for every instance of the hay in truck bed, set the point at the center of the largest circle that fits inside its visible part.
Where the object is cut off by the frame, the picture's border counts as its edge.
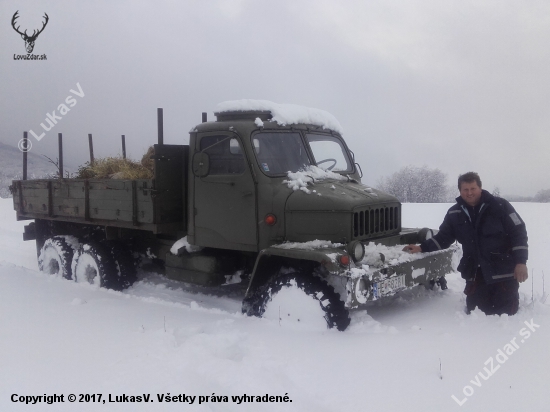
(157, 205)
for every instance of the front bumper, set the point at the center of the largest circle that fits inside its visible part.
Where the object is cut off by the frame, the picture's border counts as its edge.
(384, 271)
(376, 283)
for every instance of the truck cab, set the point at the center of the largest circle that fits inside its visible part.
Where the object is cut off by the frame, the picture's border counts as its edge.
(243, 197)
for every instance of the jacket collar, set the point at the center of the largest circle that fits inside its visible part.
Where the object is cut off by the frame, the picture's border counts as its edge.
(486, 197)
(478, 209)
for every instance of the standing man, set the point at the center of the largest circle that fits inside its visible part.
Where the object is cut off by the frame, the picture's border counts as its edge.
(494, 245)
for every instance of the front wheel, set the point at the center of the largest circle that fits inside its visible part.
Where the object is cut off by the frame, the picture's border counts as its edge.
(297, 297)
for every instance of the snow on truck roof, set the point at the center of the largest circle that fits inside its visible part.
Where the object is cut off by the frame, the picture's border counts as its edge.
(285, 114)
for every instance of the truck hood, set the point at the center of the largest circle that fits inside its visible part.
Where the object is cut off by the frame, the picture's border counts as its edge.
(336, 196)
(340, 211)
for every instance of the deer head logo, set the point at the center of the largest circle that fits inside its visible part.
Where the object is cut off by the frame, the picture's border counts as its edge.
(29, 40)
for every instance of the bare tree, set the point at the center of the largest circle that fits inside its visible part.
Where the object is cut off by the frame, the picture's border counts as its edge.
(413, 184)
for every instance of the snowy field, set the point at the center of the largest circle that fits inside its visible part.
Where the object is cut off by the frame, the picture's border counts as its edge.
(59, 337)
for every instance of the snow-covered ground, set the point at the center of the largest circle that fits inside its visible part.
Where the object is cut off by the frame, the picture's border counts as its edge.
(59, 337)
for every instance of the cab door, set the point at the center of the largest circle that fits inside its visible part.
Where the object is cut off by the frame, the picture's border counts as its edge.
(225, 198)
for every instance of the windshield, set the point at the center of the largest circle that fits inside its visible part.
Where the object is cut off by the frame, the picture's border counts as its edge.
(280, 153)
(329, 152)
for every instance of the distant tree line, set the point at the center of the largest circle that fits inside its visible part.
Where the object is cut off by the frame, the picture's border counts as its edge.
(413, 184)
(543, 196)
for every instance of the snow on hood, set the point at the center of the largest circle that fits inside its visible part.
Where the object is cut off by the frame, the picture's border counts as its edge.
(285, 113)
(300, 179)
(392, 256)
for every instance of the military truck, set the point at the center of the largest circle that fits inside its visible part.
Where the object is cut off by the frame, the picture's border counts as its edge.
(267, 195)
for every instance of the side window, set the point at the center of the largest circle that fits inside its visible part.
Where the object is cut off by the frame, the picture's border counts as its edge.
(226, 155)
(329, 153)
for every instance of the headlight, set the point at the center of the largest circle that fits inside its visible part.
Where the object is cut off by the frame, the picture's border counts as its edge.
(356, 250)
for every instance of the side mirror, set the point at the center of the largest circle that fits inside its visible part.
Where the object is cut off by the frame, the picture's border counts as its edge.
(201, 164)
(360, 170)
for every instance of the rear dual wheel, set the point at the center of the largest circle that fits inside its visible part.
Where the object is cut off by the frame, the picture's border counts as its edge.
(93, 264)
(107, 265)
(56, 256)
(125, 262)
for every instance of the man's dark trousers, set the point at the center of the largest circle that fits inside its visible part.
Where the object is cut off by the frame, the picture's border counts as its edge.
(494, 299)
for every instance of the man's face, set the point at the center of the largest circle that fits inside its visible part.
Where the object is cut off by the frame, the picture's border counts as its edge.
(470, 193)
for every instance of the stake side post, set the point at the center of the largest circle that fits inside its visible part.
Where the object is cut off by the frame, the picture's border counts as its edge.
(160, 127)
(60, 140)
(26, 143)
(91, 144)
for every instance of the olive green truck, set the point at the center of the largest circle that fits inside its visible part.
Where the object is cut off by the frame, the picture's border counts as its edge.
(273, 202)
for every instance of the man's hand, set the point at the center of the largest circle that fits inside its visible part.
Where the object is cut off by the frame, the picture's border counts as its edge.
(412, 249)
(520, 272)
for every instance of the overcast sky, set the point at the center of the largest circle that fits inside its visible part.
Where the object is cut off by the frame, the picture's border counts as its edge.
(455, 85)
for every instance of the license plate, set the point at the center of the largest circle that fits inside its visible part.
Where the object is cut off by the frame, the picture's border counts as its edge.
(388, 286)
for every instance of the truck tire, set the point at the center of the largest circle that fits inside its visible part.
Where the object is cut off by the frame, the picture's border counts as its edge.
(56, 256)
(95, 264)
(125, 262)
(298, 297)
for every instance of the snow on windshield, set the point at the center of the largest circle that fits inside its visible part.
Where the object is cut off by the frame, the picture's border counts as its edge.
(308, 175)
(285, 113)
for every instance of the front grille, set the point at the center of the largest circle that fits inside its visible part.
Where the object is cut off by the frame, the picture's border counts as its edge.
(375, 221)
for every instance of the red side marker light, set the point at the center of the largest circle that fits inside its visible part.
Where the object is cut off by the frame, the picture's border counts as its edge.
(270, 219)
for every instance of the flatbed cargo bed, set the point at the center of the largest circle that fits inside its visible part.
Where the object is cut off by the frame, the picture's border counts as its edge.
(155, 205)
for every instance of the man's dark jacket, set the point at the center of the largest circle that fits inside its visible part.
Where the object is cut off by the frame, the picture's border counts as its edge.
(496, 240)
